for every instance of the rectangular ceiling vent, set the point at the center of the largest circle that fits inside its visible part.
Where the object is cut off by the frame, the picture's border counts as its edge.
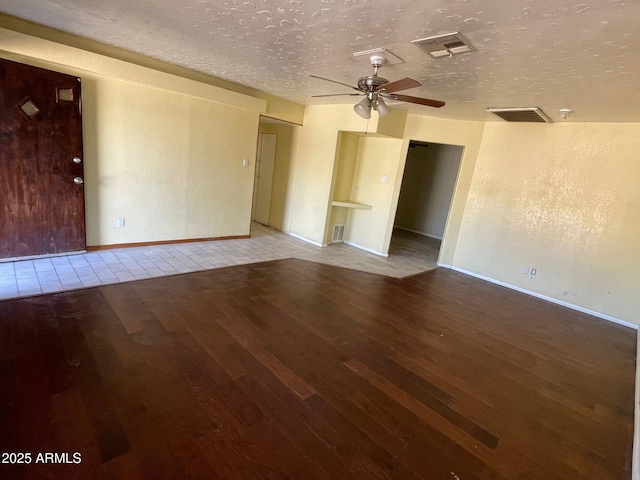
(445, 45)
(529, 114)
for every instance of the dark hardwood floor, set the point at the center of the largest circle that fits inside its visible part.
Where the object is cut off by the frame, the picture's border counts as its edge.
(291, 369)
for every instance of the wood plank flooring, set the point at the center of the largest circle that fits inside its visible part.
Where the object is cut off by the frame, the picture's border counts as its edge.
(296, 370)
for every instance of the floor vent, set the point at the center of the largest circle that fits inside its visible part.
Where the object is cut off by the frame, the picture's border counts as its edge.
(445, 45)
(338, 233)
(529, 114)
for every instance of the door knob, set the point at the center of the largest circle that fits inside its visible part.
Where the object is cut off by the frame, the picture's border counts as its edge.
(77, 160)
(78, 181)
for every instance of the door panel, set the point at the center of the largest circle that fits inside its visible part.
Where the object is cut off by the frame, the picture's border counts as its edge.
(264, 177)
(41, 206)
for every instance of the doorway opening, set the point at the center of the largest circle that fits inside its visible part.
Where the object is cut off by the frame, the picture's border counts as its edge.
(274, 183)
(263, 182)
(428, 183)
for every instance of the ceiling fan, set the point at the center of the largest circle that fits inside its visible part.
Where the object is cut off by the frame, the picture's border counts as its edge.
(376, 89)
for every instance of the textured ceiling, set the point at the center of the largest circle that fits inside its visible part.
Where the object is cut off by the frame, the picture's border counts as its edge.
(584, 55)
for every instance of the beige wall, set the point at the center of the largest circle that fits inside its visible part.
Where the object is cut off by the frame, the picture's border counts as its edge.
(319, 150)
(564, 199)
(450, 132)
(344, 169)
(163, 152)
(169, 164)
(377, 157)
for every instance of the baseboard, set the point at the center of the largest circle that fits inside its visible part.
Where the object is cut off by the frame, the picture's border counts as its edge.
(635, 458)
(162, 242)
(375, 252)
(417, 232)
(544, 297)
(308, 240)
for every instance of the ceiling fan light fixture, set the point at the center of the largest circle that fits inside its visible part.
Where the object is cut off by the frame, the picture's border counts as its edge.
(374, 87)
(363, 108)
(381, 107)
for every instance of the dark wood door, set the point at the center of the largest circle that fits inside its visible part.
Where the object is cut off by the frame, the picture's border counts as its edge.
(41, 163)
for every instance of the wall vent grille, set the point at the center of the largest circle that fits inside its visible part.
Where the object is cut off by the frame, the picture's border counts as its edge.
(445, 45)
(338, 233)
(528, 114)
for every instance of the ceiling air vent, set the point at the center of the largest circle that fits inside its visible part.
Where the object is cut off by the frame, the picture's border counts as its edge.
(529, 114)
(445, 45)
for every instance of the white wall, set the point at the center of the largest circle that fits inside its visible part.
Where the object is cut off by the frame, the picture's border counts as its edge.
(427, 188)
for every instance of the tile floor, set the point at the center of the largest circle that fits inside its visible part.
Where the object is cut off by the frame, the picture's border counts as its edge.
(409, 254)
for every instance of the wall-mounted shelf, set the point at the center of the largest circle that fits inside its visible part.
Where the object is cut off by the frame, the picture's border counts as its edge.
(361, 206)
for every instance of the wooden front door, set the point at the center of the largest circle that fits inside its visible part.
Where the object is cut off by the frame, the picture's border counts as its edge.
(41, 163)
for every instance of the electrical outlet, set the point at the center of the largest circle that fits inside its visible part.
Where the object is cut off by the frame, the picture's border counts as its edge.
(120, 222)
(245, 162)
(384, 178)
(525, 271)
(532, 278)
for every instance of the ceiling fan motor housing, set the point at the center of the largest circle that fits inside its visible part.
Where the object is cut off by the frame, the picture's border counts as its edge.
(368, 84)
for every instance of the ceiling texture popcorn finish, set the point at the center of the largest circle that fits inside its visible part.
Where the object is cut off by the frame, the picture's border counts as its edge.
(583, 55)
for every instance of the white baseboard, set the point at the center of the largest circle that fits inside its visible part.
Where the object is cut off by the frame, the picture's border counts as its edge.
(375, 252)
(419, 233)
(635, 458)
(603, 316)
(308, 240)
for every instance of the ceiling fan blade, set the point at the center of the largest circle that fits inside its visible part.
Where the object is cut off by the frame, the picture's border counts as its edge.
(418, 100)
(398, 85)
(334, 81)
(340, 94)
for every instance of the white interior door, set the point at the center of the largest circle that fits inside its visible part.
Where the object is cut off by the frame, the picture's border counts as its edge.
(264, 177)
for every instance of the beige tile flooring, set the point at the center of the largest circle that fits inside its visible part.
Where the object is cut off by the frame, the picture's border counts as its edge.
(409, 254)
